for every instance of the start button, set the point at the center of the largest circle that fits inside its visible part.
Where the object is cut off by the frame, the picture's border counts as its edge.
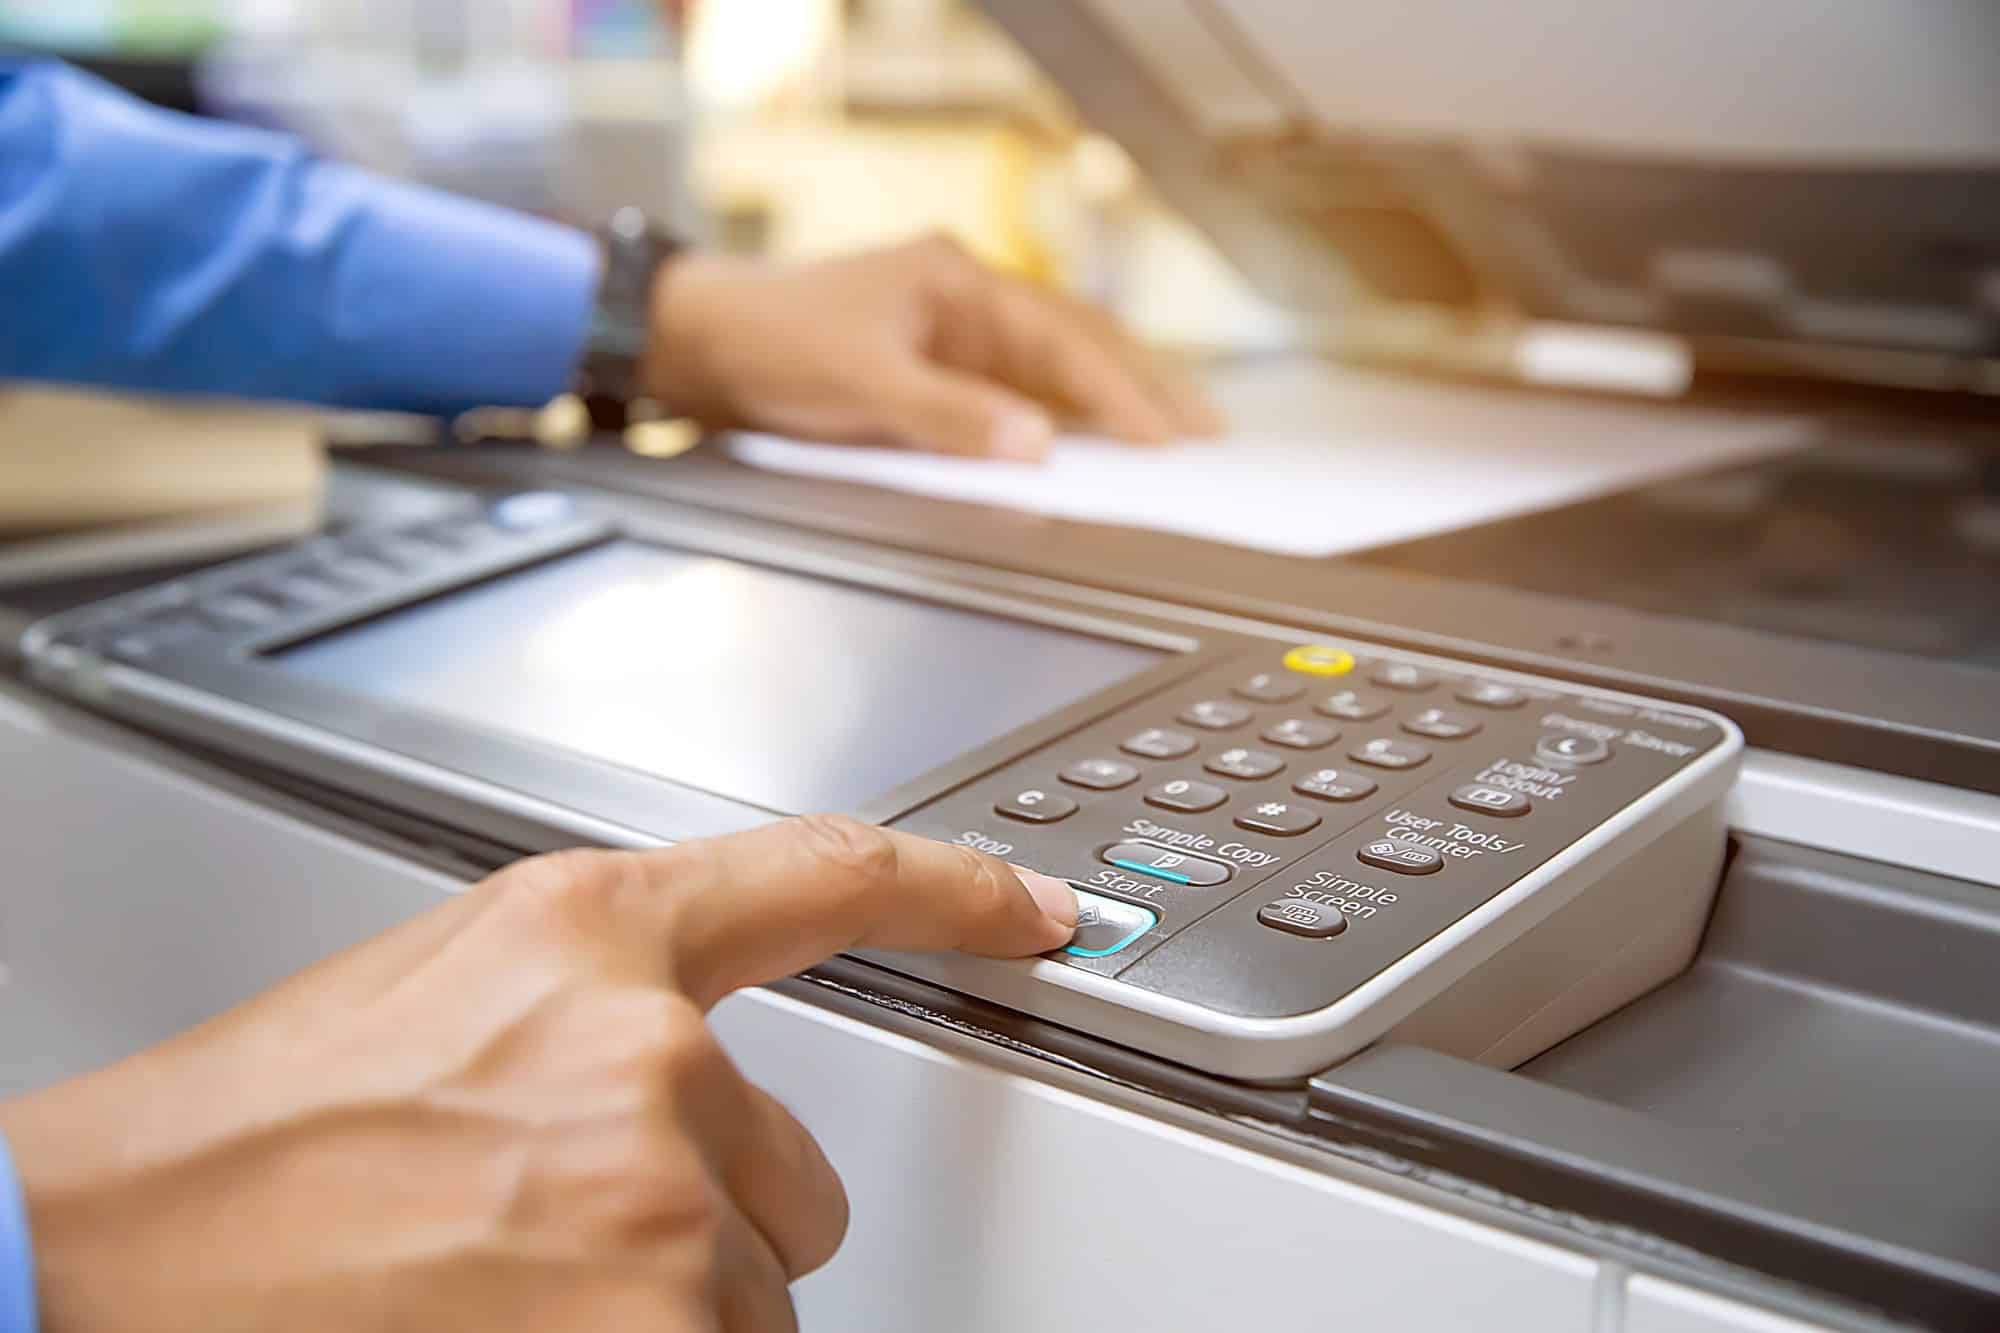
(1319, 659)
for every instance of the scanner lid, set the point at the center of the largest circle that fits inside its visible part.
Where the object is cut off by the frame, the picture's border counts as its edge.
(1796, 176)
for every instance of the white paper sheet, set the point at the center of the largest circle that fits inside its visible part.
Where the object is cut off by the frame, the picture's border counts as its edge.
(1322, 460)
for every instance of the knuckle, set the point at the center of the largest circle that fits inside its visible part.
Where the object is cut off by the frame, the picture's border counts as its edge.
(570, 888)
(989, 891)
(855, 854)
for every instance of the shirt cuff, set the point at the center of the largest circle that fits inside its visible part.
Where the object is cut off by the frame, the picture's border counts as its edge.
(443, 304)
(17, 1258)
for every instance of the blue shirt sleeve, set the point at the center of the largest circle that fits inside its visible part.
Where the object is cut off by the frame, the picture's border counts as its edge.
(152, 251)
(17, 1261)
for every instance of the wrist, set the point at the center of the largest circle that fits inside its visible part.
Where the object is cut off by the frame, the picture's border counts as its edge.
(678, 366)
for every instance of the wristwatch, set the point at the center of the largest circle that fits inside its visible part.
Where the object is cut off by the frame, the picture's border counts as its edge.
(635, 249)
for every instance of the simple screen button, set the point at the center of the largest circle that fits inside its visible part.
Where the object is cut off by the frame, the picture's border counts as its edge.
(1301, 733)
(1403, 676)
(1100, 774)
(1164, 863)
(1482, 799)
(1330, 784)
(1272, 687)
(1159, 743)
(1250, 765)
(1319, 659)
(1402, 857)
(1352, 706)
(1571, 748)
(1296, 916)
(1491, 694)
(1036, 806)
(1280, 819)
(1383, 752)
(1441, 724)
(1105, 925)
(1186, 796)
(1215, 714)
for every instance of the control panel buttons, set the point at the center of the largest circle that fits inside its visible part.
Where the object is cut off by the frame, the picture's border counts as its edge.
(1352, 706)
(1159, 743)
(1036, 806)
(1215, 714)
(356, 570)
(1145, 858)
(1297, 916)
(1185, 796)
(1249, 765)
(1319, 659)
(1100, 774)
(1441, 724)
(1402, 676)
(1386, 752)
(1490, 694)
(1301, 733)
(1571, 747)
(1105, 925)
(1482, 799)
(305, 588)
(1271, 687)
(1330, 784)
(1404, 858)
(1280, 819)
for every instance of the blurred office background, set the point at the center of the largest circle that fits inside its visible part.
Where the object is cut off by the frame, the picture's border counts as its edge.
(791, 128)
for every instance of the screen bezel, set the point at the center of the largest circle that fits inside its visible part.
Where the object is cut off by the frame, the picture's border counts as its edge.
(340, 734)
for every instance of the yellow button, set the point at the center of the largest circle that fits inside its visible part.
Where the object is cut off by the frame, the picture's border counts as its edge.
(1316, 659)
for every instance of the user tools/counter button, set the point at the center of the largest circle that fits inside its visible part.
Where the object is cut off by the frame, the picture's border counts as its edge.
(1402, 857)
(1105, 925)
(1297, 916)
(1036, 806)
(1144, 858)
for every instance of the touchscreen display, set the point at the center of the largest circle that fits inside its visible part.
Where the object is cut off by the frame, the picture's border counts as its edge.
(791, 693)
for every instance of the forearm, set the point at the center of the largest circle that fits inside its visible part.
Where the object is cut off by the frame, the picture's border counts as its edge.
(150, 251)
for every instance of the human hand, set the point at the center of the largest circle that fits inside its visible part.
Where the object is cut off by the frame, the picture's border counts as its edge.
(919, 346)
(507, 1113)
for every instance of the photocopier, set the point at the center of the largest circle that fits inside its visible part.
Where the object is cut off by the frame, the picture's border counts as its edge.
(1627, 873)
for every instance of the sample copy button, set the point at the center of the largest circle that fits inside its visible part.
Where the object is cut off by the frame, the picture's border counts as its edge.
(1143, 858)
(1105, 925)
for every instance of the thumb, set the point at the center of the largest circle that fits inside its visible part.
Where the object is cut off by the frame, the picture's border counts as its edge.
(752, 907)
(941, 410)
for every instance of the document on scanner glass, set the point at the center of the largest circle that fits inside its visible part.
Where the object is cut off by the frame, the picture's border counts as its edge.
(1322, 460)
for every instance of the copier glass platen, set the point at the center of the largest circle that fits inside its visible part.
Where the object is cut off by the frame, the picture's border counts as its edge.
(1284, 846)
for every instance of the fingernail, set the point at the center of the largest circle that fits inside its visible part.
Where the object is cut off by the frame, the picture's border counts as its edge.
(1021, 435)
(1054, 896)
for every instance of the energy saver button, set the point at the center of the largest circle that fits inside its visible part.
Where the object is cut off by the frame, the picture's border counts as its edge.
(1296, 916)
(1319, 659)
(1404, 858)
(1570, 747)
